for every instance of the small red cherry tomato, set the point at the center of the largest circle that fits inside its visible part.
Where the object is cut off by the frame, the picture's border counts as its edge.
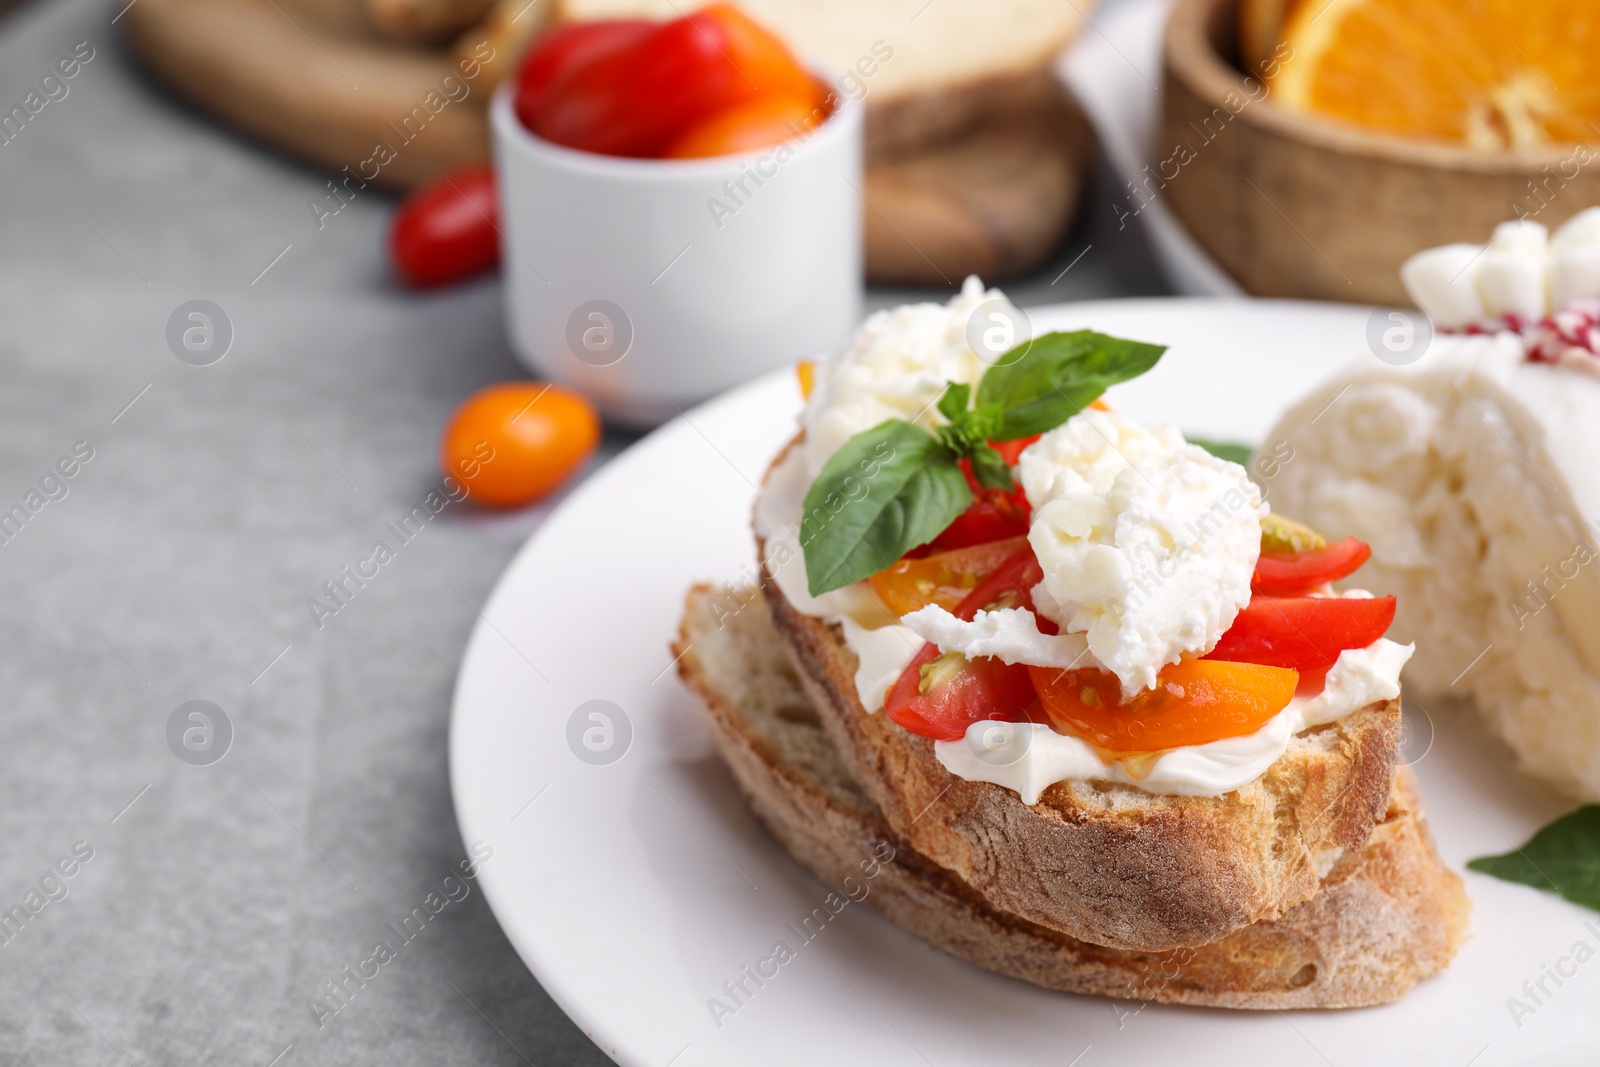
(566, 49)
(1298, 573)
(447, 230)
(510, 444)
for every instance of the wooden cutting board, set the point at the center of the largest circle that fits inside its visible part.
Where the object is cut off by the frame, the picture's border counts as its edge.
(316, 80)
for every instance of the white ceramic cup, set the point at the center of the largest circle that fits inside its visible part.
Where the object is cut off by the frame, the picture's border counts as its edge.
(650, 285)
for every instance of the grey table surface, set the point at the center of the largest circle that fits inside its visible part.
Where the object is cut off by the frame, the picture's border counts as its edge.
(218, 901)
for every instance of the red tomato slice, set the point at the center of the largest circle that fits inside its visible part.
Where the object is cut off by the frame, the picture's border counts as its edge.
(954, 692)
(564, 50)
(1306, 633)
(446, 231)
(637, 100)
(994, 514)
(1303, 572)
(939, 696)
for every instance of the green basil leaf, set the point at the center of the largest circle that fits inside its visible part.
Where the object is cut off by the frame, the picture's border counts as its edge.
(1562, 858)
(1042, 383)
(953, 404)
(1228, 450)
(990, 468)
(888, 490)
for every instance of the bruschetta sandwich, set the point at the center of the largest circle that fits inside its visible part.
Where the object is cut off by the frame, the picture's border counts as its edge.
(1122, 734)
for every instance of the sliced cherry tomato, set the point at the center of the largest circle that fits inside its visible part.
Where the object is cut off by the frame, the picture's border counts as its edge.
(447, 230)
(639, 99)
(939, 696)
(1295, 574)
(1306, 633)
(1009, 585)
(994, 514)
(1194, 702)
(942, 578)
(511, 444)
(760, 123)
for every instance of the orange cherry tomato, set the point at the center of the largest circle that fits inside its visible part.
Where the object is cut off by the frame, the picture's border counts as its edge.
(761, 56)
(1194, 701)
(759, 123)
(510, 444)
(944, 578)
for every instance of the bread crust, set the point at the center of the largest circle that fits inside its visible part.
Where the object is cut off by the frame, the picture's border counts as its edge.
(1385, 916)
(1106, 863)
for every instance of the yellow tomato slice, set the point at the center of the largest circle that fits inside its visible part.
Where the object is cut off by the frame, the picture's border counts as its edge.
(943, 578)
(1194, 702)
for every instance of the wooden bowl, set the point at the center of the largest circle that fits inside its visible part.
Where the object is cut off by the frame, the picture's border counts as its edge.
(1294, 206)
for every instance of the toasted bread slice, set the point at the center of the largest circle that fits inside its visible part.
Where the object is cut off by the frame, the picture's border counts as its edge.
(1386, 915)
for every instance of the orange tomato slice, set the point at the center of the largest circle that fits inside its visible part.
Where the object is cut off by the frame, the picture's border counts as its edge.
(1193, 702)
(943, 578)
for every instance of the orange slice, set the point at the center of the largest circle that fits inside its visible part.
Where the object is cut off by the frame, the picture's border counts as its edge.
(1492, 74)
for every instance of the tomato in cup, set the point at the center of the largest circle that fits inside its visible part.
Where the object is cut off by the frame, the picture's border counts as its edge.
(565, 50)
(714, 82)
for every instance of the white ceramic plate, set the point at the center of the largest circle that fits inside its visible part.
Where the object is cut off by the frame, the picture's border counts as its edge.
(634, 890)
